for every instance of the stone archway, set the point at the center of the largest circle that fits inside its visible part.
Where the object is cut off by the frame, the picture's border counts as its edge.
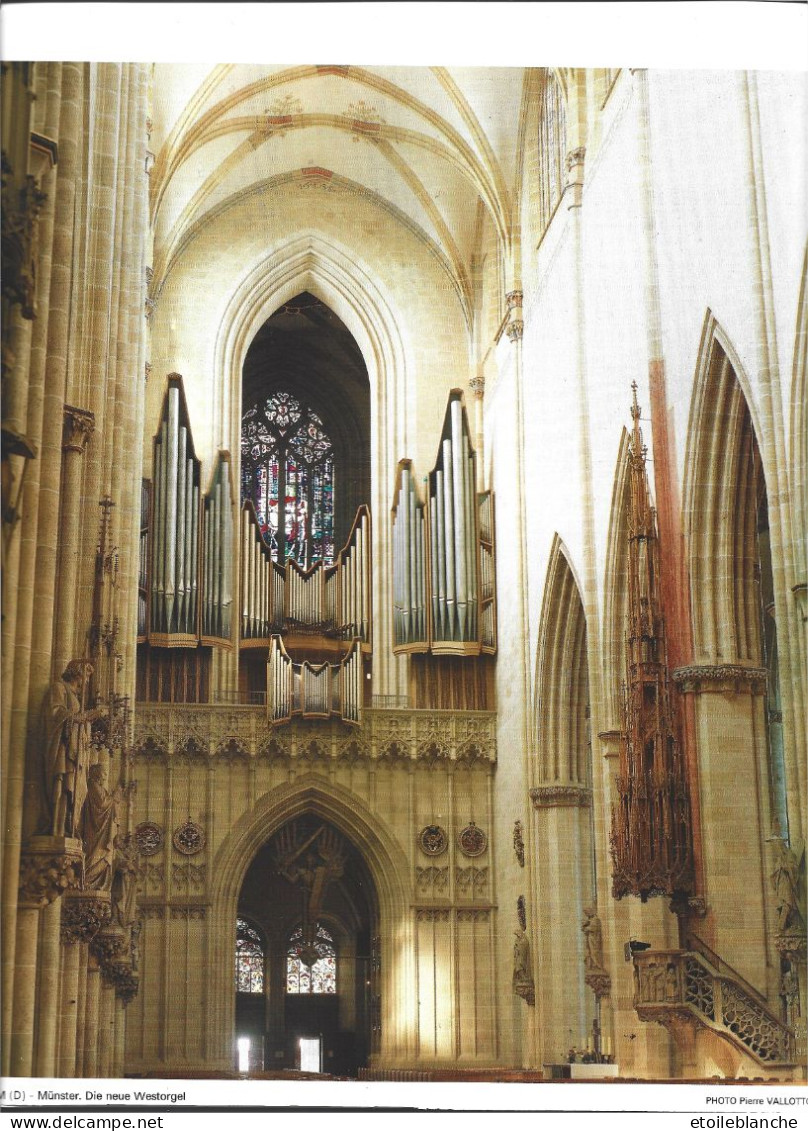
(310, 896)
(310, 799)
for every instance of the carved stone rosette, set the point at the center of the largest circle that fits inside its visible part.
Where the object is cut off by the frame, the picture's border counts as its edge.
(84, 914)
(49, 866)
(546, 796)
(720, 678)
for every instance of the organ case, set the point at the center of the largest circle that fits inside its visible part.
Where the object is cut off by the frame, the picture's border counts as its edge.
(444, 578)
(175, 521)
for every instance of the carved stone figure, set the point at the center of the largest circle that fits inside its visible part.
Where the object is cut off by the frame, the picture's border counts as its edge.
(593, 940)
(134, 943)
(124, 880)
(66, 727)
(522, 976)
(99, 829)
(786, 879)
(521, 957)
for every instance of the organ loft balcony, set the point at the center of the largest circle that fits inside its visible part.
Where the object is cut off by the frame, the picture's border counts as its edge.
(391, 733)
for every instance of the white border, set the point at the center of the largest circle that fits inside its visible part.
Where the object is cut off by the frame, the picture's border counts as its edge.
(686, 33)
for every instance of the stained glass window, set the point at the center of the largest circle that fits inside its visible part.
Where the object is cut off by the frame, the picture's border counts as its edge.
(321, 976)
(287, 470)
(249, 959)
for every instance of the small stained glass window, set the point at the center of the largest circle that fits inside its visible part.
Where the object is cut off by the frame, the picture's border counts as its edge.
(287, 463)
(249, 959)
(320, 977)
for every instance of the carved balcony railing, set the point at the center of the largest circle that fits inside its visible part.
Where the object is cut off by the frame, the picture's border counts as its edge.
(681, 985)
(166, 731)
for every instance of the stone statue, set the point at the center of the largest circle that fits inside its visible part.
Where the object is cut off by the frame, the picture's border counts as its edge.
(99, 828)
(134, 945)
(521, 959)
(124, 880)
(786, 879)
(66, 727)
(790, 992)
(593, 940)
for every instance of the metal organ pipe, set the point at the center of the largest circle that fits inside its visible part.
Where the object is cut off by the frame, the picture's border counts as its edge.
(181, 589)
(441, 557)
(171, 503)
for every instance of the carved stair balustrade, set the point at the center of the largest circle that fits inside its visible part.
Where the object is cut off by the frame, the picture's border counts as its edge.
(673, 987)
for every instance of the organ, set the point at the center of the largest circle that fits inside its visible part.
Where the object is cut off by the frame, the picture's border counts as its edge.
(331, 601)
(443, 551)
(314, 691)
(207, 579)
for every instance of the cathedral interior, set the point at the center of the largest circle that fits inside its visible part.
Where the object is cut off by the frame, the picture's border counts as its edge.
(404, 482)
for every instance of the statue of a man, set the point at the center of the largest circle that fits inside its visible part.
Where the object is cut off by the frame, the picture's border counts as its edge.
(786, 881)
(99, 828)
(66, 744)
(593, 940)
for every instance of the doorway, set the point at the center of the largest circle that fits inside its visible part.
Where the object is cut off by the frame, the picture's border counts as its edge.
(307, 988)
(311, 1054)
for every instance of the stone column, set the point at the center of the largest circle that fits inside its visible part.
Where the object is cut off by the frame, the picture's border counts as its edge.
(730, 727)
(119, 1036)
(99, 317)
(127, 470)
(81, 1006)
(66, 1059)
(47, 1010)
(48, 867)
(83, 915)
(106, 1027)
(563, 887)
(93, 994)
(79, 427)
(107, 949)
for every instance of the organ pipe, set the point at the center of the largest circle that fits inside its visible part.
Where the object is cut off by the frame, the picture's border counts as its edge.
(328, 600)
(218, 556)
(314, 691)
(175, 527)
(409, 595)
(443, 551)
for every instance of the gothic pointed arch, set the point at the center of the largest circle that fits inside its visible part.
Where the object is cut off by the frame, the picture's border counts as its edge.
(724, 504)
(310, 796)
(562, 685)
(799, 432)
(615, 597)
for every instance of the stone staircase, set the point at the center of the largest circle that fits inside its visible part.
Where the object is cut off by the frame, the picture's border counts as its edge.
(686, 988)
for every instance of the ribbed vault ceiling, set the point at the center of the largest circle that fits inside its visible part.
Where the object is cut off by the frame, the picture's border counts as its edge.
(432, 146)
